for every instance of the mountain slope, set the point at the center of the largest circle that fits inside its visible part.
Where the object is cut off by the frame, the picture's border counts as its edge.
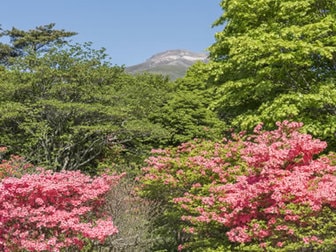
(173, 63)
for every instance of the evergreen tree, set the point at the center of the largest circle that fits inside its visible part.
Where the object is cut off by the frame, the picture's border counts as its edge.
(42, 38)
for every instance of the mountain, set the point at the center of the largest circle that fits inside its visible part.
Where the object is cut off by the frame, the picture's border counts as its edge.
(173, 63)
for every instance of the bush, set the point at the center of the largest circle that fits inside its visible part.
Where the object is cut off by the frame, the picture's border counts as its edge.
(15, 166)
(267, 191)
(54, 210)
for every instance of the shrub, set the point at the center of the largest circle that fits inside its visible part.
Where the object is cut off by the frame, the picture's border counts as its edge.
(267, 191)
(15, 166)
(53, 210)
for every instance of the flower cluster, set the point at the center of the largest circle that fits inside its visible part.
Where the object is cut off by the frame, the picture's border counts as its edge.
(48, 211)
(269, 189)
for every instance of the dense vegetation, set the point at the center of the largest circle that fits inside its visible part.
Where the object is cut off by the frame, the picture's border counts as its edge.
(66, 107)
(205, 185)
(275, 60)
(263, 191)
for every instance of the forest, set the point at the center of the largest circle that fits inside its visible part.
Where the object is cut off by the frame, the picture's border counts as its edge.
(237, 155)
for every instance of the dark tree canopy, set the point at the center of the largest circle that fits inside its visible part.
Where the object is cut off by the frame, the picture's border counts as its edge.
(42, 38)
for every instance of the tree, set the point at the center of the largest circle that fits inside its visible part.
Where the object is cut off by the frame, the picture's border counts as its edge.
(275, 60)
(72, 109)
(5, 50)
(186, 114)
(42, 38)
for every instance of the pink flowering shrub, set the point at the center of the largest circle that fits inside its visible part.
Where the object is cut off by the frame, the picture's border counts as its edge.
(267, 191)
(48, 211)
(14, 166)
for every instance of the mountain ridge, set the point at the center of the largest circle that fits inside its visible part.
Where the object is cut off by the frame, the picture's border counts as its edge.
(173, 63)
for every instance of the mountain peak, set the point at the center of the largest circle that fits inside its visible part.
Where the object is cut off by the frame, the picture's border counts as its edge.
(171, 62)
(176, 57)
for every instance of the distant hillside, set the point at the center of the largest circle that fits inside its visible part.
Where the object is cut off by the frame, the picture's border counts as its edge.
(173, 63)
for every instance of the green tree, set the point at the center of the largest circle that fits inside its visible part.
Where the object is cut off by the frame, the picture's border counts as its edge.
(275, 60)
(42, 38)
(5, 50)
(186, 115)
(71, 108)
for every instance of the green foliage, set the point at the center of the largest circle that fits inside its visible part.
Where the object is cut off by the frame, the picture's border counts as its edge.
(190, 168)
(186, 115)
(275, 60)
(317, 109)
(172, 71)
(65, 108)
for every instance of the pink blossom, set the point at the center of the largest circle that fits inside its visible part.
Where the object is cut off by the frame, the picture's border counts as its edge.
(239, 234)
(45, 206)
(262, 188)
(279, 244)
(263, 245)
(180, 247)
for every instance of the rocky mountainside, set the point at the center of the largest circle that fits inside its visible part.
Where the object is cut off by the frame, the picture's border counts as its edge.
(173, 63)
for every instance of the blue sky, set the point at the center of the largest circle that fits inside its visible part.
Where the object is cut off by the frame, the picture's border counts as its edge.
(130, 30)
